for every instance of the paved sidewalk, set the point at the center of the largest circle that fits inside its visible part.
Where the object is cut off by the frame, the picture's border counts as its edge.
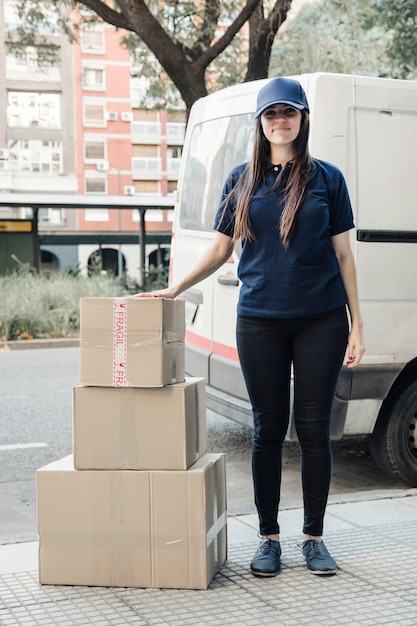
(372, 536)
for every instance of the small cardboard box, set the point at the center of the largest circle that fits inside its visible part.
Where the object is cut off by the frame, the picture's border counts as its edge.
(132, 529)
(160, 428)
(128, 342)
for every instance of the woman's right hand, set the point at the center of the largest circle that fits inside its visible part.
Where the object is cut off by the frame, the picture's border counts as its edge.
(214, 257)
(169, 292)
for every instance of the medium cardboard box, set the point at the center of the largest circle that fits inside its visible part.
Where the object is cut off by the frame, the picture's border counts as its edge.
(161, 428)
(132, 529)
(128, 342)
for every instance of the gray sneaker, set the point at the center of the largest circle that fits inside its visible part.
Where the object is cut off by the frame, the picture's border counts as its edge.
(318, 558)
(266, 561)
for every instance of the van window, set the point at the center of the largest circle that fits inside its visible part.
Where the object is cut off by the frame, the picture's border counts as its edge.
(215, 147)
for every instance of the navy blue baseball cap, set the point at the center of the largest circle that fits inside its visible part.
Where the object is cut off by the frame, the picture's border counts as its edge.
(281, 91)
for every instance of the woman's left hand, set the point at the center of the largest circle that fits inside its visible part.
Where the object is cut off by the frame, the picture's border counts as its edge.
(356, 348)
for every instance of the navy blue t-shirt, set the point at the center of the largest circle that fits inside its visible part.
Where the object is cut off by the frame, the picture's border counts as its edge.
(303, 279)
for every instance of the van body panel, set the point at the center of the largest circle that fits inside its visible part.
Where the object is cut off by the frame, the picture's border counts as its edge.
(360, 417)
(196, 359)
(226, 374)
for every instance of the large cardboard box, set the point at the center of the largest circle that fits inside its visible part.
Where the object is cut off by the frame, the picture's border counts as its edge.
(131, 528)
(160, 428)
(128, 342)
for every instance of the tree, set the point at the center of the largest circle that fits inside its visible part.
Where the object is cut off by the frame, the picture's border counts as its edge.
(399, 19)
(184, 36)
(354, 37)
(262, 31)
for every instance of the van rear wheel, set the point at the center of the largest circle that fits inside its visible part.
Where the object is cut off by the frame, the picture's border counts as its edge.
(394, 440)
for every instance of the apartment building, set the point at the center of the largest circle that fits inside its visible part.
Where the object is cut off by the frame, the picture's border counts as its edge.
(75, 127)
(37, 149)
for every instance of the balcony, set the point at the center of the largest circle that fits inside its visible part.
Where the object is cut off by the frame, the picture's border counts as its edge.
(173, 168)
(175, 134)
(148, 133)
(146, 168)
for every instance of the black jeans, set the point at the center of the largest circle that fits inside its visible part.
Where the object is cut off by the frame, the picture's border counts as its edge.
(315, 346)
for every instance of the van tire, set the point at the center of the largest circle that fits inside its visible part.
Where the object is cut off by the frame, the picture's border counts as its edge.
(394, 440)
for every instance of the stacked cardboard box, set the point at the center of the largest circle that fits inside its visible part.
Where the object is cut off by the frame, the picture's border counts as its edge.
(126, 342)
(139, 503)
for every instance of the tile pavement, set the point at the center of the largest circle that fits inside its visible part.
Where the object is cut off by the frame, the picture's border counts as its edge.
(371, 535)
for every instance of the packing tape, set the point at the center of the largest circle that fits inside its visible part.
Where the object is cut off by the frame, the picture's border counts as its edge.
(120, 342)
(216, 528)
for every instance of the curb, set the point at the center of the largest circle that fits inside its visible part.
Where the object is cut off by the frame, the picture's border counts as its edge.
(30, 344)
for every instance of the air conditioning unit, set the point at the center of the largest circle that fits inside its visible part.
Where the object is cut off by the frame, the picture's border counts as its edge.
(129, 190)
(4, 153)
(102, 166)
(127, 116)
(111, 116)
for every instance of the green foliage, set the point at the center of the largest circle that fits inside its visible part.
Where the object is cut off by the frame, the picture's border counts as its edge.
(47, 304)
(353, 37)
(180, 39)
(192, 30)
(156, 278)
(161, 92)
(399, 19)
(39, 22)
(375, 37)
(229, 67)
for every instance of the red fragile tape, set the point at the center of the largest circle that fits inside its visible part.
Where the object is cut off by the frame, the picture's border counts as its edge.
(120, 342)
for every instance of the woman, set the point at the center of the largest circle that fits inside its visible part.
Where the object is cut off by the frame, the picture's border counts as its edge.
(293, 216)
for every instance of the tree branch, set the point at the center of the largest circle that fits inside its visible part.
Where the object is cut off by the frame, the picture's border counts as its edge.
(107, 14)
(262, 31)
(276, 17)
(221, 44)
(208, 28)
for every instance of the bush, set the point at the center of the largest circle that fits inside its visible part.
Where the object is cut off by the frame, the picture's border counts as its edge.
(47, 304)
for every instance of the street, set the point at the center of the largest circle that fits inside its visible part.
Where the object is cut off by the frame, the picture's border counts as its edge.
(36, 429)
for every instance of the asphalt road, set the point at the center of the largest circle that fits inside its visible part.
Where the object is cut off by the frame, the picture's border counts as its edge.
(36, 429)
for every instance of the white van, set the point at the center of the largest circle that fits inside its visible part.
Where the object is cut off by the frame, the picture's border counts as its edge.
(368, 128)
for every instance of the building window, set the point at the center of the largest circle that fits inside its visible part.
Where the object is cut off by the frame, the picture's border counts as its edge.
(175, 132)
(146, 186)
(11, 15)
(146, 168)
(146, 164)
(33, 110)
(92, 40)
(151, 215)
(94, 114)
(145, 151)
(52, 216)
(154, 215)
(36, 155)
(96, 215)
(146, 132)
(174, 154)
(94, 150)
(173, 168)
(93, 78)
(13, 18)
(31, 64)
(95, 184)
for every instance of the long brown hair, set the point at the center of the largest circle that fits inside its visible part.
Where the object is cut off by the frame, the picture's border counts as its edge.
(253, 177)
